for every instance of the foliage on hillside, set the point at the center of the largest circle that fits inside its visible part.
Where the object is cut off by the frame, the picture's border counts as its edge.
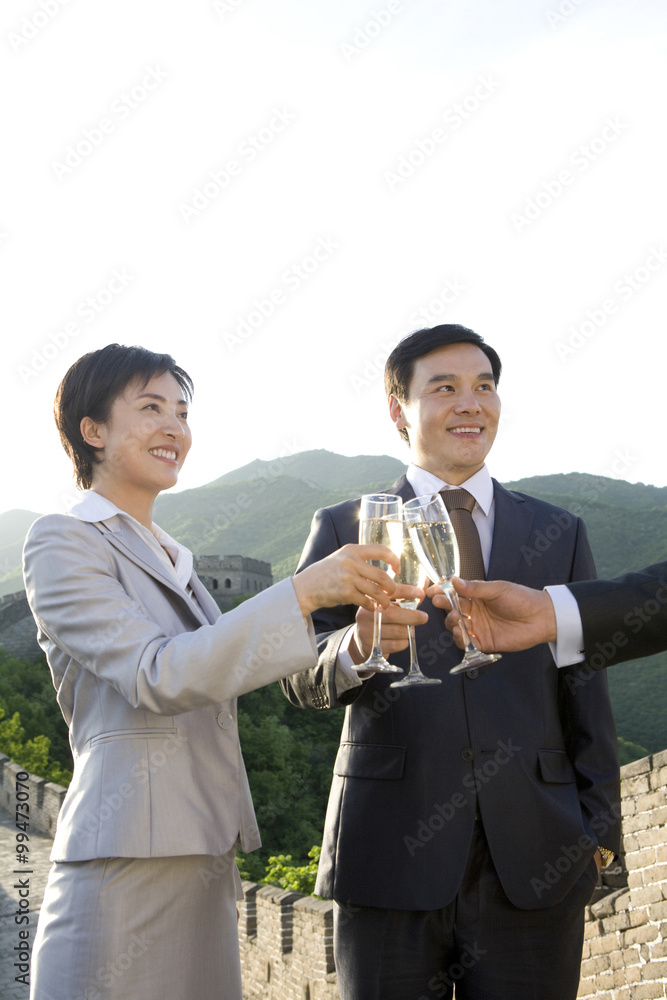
(289, 757)
(14, 525)
(33, 754)
(26, 688)
(264, 511)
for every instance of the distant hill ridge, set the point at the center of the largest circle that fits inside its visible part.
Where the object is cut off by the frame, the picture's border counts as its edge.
(264, 510)
(321, 468)
(583, 486)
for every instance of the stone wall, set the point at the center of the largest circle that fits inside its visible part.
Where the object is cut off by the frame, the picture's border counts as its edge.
(225, 577)
(44, 798)
(286, 944)
(18, 632)
(286, 939)
(625, 951)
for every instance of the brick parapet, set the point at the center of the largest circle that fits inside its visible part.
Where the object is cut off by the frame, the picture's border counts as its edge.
(286, 944)
(45, 797)
(625, 947)
(286, 939)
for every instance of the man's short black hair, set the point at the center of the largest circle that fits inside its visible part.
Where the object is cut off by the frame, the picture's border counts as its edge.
(400, 365)
(90, 387)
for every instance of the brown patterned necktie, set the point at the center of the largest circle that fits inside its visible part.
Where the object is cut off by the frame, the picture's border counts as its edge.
(460, 503)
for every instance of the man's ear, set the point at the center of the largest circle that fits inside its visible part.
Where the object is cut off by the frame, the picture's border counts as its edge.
(92, 433)
(397, 413)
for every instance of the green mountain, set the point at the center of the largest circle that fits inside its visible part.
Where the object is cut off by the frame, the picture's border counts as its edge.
(264, 510)
(14, 526)
(323, 469)
(626, 522)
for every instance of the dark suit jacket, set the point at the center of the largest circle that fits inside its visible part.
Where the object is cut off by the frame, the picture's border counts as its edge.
(536, 752)
(624, 618)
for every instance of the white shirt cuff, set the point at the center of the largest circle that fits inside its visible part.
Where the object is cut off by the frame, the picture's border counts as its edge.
(569, 645)
(346, 677)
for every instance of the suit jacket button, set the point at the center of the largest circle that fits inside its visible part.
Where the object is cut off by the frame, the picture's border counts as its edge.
(472, 673)
(225, 720)
(467, 753)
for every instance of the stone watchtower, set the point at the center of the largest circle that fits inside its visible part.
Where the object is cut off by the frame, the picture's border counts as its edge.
(227, 577)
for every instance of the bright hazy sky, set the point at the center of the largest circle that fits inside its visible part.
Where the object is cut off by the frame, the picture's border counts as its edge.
(381, 166)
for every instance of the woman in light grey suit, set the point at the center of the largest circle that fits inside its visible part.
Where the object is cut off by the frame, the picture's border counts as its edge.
(140, 901)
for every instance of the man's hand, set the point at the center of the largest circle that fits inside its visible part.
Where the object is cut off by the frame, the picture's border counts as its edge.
(502, 616)
(394, 633)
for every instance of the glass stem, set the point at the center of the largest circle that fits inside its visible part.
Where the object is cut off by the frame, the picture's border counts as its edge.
(414, 664)
(454, 598)
(377, 626)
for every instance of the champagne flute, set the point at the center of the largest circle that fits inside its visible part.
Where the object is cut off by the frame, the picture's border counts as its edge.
(414, 574)
(434, 540)
(380, 523)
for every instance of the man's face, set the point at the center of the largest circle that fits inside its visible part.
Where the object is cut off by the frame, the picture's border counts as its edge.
(452, 412)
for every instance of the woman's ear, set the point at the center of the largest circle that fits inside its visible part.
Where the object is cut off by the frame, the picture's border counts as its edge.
(92, 433)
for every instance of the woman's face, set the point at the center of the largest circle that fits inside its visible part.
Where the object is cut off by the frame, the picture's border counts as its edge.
(146, 438)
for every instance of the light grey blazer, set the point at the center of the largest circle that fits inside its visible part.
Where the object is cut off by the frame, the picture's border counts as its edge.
(147, 683)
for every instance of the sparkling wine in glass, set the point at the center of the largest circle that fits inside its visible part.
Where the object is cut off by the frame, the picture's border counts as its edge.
(380, 523)
(434, 539)
(413, 573)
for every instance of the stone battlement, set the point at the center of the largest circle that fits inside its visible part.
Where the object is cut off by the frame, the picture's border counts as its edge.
(44, 797)
(286, 939)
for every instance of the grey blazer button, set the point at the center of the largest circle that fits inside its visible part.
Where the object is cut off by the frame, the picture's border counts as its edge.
(467, 753)
(472, 673)
(225, 720)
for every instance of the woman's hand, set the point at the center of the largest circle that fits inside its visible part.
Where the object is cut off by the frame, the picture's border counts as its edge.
(345, 577)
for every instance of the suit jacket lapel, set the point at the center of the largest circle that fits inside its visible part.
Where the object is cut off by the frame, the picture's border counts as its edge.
(401, 488)
(511, 530)
(511, 533)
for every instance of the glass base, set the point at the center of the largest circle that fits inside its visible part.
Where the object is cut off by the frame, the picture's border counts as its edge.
(379, 665)
(477, 659)
(414, 680)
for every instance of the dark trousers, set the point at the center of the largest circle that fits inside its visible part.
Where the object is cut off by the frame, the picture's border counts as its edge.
(479, 947)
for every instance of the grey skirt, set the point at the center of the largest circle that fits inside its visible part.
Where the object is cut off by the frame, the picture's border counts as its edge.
(139, 929)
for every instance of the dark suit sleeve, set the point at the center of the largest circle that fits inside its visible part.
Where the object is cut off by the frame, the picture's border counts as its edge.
(316, 688)
(624, 618)
(589, 728)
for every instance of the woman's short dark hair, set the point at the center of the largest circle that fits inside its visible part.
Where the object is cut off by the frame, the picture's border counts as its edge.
(90, 388)
(400, 364)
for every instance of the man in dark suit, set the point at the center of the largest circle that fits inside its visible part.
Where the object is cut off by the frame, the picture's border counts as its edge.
(616, 620)
(464, 820)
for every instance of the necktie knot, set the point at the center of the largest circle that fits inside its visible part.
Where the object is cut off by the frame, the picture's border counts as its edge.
(460, 503)
(458, 500)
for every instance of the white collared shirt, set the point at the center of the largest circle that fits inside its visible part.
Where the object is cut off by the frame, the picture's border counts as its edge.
(175, 557)
(480, 486)
(569, 644)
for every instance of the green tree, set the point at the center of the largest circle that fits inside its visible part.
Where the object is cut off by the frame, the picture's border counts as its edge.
(32, 754)
(26, 687)
(628, 751)
(282, 872)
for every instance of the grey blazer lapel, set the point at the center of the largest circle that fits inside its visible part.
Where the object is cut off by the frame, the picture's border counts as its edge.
(134, 548)
(209, 608)
(511, 533)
